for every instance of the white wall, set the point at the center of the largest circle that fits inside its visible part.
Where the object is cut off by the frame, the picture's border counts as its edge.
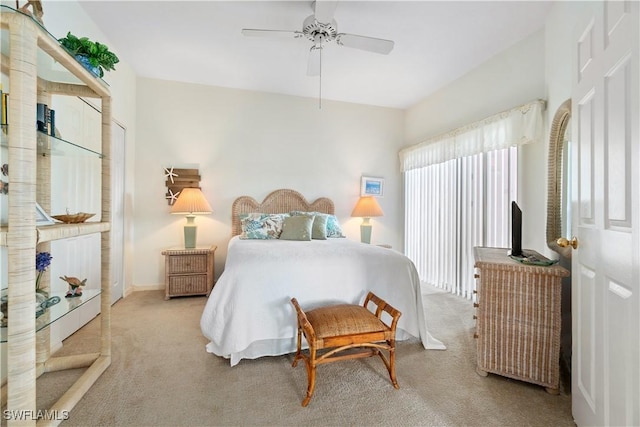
(250, 143)
(511, 78)
(558, 53)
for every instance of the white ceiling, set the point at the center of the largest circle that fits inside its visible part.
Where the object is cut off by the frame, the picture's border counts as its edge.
(201, 42)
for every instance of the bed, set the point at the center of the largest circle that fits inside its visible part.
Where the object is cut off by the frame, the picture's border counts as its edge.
(249, 314)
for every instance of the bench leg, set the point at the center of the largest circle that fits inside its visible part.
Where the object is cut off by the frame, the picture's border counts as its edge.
(392, 366)
(298, 355)
(391, 363)
(310, 365)
(311, 376)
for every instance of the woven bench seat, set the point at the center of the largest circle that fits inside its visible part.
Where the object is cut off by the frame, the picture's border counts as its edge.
(337, 328)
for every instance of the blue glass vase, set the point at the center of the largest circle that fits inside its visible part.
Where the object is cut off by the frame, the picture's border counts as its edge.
(86, 64)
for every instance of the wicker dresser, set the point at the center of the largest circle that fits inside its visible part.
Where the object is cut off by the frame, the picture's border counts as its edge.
(518, 318)
(188, 271)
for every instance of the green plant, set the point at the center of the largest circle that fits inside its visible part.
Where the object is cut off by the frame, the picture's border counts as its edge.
(98, 54)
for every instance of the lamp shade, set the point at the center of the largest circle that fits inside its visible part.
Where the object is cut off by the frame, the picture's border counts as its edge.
(367, 207)
(191, 201)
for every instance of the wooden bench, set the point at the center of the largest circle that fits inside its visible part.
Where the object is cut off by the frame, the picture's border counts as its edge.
(337, 328)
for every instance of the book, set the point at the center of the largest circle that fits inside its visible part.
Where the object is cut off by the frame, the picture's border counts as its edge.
(4, 119)
(52, 122)
(4, 113)
(43, 117)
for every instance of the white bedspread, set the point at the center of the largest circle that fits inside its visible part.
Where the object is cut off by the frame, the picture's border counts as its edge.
(249, 313)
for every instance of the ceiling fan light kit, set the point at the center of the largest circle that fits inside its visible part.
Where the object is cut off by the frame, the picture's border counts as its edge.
(314, 29)
(320, 28)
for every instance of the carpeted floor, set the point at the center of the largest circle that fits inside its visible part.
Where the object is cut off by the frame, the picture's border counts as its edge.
(161, 375)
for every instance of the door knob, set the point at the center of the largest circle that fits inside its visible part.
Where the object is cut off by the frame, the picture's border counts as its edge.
(563, 243)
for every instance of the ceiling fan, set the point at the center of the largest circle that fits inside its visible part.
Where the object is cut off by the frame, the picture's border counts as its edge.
(321, 29)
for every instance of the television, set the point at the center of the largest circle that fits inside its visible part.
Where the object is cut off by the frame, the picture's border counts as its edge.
(516, 230)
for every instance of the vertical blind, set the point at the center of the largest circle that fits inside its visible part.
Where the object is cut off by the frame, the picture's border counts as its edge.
(458, 190)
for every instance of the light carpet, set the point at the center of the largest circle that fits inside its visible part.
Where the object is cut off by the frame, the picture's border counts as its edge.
(161, 375)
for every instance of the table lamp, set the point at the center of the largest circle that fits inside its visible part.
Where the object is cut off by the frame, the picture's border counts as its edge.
(191, 202)
(366, 207)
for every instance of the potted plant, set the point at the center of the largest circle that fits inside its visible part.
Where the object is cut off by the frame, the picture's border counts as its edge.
(95, 56)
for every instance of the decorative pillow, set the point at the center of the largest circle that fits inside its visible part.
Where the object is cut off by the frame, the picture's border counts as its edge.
(319, 227)
(261, 226)
(297, 228)
(303, 213)
(333, 226)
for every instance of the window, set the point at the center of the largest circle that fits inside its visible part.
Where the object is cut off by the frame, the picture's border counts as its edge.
(458, 192)
(453, 206)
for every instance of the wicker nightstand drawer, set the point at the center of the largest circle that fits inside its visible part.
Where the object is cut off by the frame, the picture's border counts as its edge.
(188, 285)
(187, 264)
(189, 271)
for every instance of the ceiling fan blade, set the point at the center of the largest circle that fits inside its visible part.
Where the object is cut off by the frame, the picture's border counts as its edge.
(271, 33)
(313, 66)
(324, 10)
(370, 44)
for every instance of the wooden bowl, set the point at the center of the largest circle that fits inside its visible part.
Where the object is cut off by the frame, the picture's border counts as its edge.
(73, 219)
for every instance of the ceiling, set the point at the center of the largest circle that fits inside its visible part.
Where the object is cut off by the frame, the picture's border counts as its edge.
(201, 42)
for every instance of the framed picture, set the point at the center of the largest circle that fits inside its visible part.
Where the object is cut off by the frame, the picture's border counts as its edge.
(372, 186)
(41, 216)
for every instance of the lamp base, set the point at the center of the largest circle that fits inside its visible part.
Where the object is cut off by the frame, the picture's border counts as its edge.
(190, 229)
(365, 231)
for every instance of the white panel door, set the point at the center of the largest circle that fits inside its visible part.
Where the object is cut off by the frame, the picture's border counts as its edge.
(606, 187)
(117, 210)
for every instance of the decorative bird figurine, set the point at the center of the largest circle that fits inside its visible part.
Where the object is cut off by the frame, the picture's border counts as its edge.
(74, 286)
(36, 5)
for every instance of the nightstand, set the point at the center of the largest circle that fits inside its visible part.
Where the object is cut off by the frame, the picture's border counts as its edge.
(188, 271)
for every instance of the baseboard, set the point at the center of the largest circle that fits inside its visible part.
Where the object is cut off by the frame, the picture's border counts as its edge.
(57, 345)
(139, 288)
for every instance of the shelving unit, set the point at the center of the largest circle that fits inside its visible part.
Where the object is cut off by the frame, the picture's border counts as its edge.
(37, 67)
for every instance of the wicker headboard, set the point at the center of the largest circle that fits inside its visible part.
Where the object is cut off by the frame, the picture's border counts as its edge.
(278, 201)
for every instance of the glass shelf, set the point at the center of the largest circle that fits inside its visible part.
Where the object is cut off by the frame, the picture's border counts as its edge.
(48, 68)
(58, 311)
(54, 146)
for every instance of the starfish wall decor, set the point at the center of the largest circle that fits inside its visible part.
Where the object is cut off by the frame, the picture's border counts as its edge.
(177, 179)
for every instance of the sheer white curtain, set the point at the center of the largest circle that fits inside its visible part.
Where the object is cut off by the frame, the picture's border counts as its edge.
(458, 189)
